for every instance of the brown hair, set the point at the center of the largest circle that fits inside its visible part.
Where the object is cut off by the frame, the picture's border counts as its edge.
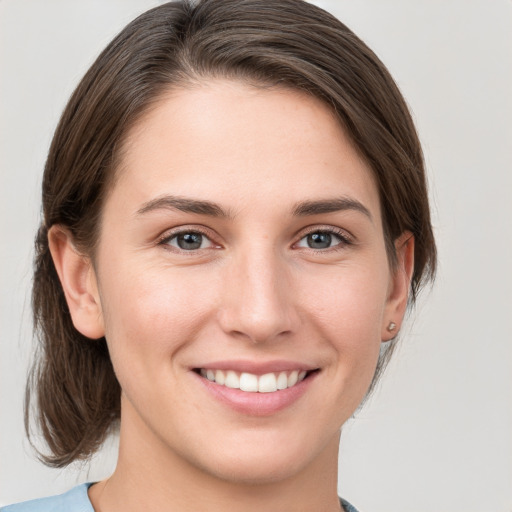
(290, 43)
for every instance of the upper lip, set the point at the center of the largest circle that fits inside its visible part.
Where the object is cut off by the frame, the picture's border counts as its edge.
(257, 367)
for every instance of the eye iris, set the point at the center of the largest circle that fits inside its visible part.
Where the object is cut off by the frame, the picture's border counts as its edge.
(319, 240)
(189, 241)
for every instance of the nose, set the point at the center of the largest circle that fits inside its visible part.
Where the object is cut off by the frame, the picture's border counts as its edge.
(257, 302)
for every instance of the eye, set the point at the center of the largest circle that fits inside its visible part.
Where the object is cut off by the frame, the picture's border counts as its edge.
(189, 241)
(322, 239)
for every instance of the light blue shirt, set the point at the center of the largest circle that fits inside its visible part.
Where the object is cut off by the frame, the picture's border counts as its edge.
(77, 500)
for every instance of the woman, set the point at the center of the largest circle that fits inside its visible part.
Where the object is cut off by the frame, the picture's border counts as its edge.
(235, 219)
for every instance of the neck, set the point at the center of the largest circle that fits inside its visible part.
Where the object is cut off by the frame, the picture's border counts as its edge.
(151, 476)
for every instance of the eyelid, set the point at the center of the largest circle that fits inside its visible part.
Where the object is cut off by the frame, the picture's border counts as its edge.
(169, 234)
(346, 237)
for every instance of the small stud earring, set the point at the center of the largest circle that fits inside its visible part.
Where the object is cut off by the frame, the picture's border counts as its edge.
(391, 326)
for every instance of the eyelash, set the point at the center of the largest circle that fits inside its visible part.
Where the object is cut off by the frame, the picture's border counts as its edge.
(343, 236)
(166, 238)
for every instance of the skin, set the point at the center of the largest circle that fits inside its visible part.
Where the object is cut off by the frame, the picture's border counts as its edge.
(254, 290)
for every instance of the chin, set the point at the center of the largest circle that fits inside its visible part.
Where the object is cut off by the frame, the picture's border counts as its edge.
(252, 469)
(267, 461)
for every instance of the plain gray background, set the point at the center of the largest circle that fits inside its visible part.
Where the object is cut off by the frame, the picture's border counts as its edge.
(437, 436)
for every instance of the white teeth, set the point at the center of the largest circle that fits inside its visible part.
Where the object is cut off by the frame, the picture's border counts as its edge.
(292, 378)
(251, 383)
(220, 378)
(282, 381)
(232, 380)
(267, 383)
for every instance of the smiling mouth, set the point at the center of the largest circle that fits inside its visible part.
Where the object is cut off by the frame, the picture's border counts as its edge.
(251, 383)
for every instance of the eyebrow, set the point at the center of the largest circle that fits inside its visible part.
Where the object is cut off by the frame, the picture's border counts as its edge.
(184, 204)
(203, 207)
(306, 208)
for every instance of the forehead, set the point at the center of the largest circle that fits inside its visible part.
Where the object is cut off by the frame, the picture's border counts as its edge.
(232, 140)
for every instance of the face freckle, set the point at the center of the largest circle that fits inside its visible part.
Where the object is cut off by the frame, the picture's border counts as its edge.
(243, 230)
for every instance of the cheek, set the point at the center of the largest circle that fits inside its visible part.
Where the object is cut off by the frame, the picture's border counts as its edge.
(150, 314)
(348, 313)
(351, 300)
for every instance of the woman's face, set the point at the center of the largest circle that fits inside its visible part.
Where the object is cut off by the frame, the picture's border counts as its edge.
(242, 238)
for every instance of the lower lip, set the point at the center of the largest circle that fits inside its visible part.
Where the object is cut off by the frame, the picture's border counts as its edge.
(257, 404)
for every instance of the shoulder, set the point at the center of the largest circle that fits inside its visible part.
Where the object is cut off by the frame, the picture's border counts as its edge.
(75, 500)
(347, 507)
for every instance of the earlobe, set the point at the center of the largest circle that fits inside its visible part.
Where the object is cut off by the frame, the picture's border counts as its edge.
(78, 280)
(399, 286)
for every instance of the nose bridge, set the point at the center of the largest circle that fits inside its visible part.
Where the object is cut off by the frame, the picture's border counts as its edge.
(258, 302)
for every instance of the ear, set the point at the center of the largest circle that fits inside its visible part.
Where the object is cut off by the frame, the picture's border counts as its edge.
(399, 286)
(78, 280)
